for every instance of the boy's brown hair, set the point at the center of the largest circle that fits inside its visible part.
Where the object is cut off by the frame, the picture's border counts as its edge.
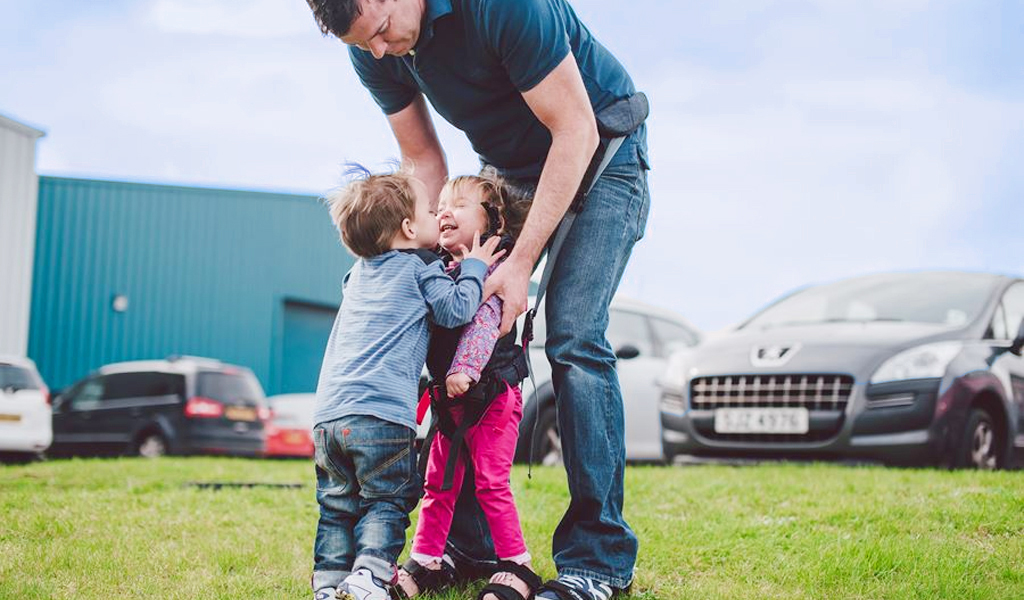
(369, 211)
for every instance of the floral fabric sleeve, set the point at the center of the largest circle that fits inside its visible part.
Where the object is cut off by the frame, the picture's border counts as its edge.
(478, 338)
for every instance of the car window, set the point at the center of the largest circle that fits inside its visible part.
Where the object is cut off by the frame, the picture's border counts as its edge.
(672, 335)
(997, 329)
(1013, 303)
(951, 299)
(18, 378)
(87, 397)
(226, 386)
(143, 384)
(629, 328)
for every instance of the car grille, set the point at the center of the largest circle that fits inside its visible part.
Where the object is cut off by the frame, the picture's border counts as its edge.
(825, 396)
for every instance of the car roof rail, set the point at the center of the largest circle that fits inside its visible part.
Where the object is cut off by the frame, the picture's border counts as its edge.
(197, 359)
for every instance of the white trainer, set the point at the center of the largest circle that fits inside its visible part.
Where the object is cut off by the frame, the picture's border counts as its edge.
(327, 593)
(362, 585)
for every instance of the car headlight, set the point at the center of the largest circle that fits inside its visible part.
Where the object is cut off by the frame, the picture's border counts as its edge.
(921, 362)
(673, 380)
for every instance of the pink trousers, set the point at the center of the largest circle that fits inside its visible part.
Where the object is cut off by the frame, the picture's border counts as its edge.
(492, 444)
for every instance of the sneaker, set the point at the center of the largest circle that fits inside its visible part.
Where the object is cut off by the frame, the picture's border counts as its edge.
(573, 587)
(327, 593)
(362, 585)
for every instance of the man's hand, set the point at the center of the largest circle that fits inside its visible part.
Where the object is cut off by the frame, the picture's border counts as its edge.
(510, 282)
(484, 253)
(457, 383)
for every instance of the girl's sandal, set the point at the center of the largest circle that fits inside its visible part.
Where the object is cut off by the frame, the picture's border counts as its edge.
(506, 592)
(427, 580)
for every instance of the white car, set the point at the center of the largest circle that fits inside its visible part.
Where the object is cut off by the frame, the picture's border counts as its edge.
(643, 337)
(25, 425)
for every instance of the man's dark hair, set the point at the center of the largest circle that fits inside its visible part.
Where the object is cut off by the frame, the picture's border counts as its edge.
(335, 16)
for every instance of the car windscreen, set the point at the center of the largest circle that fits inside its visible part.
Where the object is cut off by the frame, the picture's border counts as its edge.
(18, 378)
(951, 299)
(229, 387)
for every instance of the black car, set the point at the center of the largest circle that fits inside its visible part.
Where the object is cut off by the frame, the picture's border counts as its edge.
(907, 368)
(182, 405)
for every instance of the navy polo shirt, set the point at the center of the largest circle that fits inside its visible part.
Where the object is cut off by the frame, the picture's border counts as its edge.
(473, 60)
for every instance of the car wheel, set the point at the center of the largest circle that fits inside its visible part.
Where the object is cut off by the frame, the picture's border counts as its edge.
(152, 445)
(980, 447)
(547, 444)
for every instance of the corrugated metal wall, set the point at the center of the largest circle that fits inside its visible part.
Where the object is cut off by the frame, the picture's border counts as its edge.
(203, 271)
(18, 190)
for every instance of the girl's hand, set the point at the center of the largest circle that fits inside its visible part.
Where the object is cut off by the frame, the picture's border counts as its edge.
(483, 253)
(457, 384)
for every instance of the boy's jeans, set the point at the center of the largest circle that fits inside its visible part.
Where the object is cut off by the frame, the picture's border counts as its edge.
(366, 484)
(593, 539)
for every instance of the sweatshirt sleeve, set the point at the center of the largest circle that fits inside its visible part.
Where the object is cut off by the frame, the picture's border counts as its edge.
(453, 303)
(478, 339)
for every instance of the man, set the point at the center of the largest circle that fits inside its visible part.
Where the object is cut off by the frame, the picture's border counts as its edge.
(523, 79)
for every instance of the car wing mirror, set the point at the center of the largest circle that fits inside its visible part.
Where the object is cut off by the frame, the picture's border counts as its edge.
(627, 351)
(1018, 342)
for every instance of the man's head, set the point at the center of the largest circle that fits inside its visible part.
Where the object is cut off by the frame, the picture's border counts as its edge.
(377, 213)
(378, 26)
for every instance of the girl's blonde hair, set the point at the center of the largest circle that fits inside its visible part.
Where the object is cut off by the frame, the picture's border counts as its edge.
(369, 211)
(510, 206)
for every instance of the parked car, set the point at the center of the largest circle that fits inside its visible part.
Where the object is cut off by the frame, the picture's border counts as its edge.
(905, 368)
(290, 429)
(24, 409)
(642, 337)
(182, 405)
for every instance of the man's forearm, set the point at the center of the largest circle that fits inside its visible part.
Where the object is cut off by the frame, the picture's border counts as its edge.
(566, 163)
(432, 170)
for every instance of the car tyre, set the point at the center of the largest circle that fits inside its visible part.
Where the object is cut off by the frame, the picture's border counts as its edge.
(980, 446)
(546, 441)
(152, 445)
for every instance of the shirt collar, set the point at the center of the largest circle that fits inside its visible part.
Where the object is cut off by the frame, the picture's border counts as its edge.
(435, 9)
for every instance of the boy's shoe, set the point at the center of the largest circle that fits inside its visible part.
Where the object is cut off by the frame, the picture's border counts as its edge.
(362, 585)
(325, 594)
(571, 587)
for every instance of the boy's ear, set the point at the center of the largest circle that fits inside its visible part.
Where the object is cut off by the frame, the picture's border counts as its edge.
(407, 229)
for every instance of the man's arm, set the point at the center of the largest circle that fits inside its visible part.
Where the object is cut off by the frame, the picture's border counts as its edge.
(417, 140)
(561, 103)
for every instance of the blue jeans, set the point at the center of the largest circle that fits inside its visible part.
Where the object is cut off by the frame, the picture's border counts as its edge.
(593, 539)
(366, 484)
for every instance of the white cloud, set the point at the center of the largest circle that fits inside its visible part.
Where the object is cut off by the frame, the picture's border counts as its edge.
(242, 18)
(764, 182)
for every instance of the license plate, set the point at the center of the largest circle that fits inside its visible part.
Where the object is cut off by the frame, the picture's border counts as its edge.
(240, 413)
(294, 438)
(761, 420)
(10, 418)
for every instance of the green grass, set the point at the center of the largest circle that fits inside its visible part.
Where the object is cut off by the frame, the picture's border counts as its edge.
(125, 528)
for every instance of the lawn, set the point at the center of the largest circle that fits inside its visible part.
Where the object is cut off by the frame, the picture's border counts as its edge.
(125, 528)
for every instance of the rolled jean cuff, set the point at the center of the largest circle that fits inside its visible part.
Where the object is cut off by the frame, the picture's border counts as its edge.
(615, 582)
(381, 568)
(324, 579)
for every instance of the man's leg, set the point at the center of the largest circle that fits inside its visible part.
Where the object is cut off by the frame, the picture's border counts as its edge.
(593, 539)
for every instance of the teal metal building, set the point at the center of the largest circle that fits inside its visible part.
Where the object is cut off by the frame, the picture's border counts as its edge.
(127, 271)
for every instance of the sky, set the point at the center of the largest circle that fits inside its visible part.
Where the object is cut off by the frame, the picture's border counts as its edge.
(792, 142)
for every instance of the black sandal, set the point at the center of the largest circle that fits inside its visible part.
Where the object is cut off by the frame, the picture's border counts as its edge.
(427, 580)
(506, 592)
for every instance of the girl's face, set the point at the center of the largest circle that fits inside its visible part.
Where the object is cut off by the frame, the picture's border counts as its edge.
(460, 214)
